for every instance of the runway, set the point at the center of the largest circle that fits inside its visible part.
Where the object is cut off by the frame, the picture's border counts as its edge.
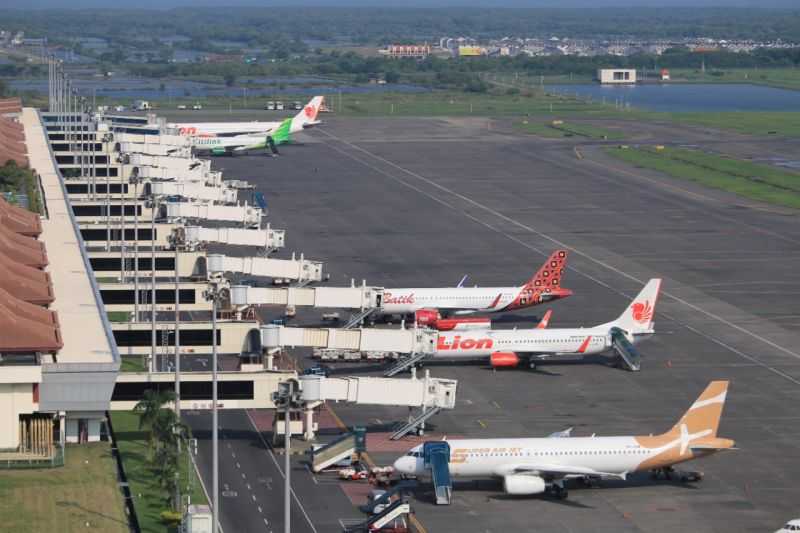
(421, 202)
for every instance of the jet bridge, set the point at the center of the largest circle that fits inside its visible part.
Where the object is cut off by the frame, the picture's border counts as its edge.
(199, 175)
(300, 270)
(429, 395)
(194, 191)
(194, 237)
(416, 341)
(244, 214)
(183, 150)
(170, 163)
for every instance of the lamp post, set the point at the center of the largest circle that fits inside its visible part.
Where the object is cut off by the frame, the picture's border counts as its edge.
(213, 294)
(176, 243)
(287, 398)
(153, 208)
(123, 159)
(108, 138)
(134, 178)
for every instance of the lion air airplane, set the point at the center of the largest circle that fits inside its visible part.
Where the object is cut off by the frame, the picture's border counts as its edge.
(429, 304)
(534, 465)
(306, 118)
(507, 347)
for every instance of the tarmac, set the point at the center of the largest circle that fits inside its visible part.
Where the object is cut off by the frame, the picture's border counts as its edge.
(421, 202)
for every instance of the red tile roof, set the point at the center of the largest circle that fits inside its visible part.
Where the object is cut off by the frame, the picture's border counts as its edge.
(19, 220)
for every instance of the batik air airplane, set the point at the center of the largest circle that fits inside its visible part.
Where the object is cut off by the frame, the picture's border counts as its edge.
(508, 347)
(530, 466)
(306, 118)
(429, 304)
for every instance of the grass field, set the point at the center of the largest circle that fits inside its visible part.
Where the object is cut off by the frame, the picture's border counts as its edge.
(132, 363)
(750, 180)
(80, 496)
(748, 122)
(567, 129)
(784, 78)
(149, 497)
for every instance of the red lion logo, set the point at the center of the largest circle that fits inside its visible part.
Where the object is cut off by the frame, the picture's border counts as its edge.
(642, 312)
(310, 112)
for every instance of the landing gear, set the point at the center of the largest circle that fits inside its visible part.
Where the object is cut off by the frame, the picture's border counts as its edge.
(532, 364)
(559, 491)
(669, 473)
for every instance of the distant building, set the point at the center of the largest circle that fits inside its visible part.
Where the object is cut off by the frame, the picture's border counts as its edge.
(616, 75)
(418, 51)
(664, 74)
(471, 51)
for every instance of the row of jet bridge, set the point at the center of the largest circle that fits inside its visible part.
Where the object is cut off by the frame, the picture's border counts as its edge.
(144, 220)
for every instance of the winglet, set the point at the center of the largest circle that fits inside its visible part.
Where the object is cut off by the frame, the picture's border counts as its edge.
(545, 320)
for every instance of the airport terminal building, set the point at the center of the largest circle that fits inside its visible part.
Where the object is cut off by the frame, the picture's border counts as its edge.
(58, 360)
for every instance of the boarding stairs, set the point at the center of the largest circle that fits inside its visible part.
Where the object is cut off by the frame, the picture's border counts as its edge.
(401, 489)
(396, 511)
(416, 422)
(338, 449)
(405, 363)
(359, 318)
(629, 356)
(436, 457)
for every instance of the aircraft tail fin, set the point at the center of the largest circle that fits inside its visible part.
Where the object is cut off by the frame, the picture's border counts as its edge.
(703, 416)
(307, 116)
(283, 134)
(638, 316)
(547, 280)
(545, 320)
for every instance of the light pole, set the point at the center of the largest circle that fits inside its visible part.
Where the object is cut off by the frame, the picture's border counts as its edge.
(287, 398)
(153, 209)
(176, 243)
(213, 295)
(107, 139)
(123, 159)
(135, 180)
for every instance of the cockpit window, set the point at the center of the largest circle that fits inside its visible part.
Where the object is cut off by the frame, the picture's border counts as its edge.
(414, 454)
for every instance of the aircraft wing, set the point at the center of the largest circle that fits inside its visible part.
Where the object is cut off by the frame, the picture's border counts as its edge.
(554, 470)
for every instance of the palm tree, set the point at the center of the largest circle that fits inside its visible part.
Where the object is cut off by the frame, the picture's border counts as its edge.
(150, 409)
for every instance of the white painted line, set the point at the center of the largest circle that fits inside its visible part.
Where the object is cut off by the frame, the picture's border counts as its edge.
(275, 460)
(260, 511)
(538, 233)
(311, 473)
(248, 486)
(243, 476)
(253, 496)
(238, 465)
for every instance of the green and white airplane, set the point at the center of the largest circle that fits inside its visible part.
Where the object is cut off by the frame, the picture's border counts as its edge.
(245, 143)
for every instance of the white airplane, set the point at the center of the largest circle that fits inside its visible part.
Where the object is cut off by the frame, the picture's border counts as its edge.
(506, 347)
(534, 465)
(429, 304)
(306, 118)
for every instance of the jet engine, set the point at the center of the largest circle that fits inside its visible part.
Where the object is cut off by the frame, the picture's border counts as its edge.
(426, 317)
(503, 359)
(523, 485)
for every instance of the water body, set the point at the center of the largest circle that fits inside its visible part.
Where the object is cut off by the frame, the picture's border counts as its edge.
(146, 89)
(689, 97)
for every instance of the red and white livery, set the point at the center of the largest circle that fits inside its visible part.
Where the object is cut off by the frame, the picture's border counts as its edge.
(508, 348)
(430, 304)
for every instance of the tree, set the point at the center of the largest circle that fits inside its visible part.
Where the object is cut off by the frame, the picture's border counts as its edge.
(150, 409)
(230, 79)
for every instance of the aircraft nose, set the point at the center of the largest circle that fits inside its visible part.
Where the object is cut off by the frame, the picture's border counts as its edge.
(405, 465)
